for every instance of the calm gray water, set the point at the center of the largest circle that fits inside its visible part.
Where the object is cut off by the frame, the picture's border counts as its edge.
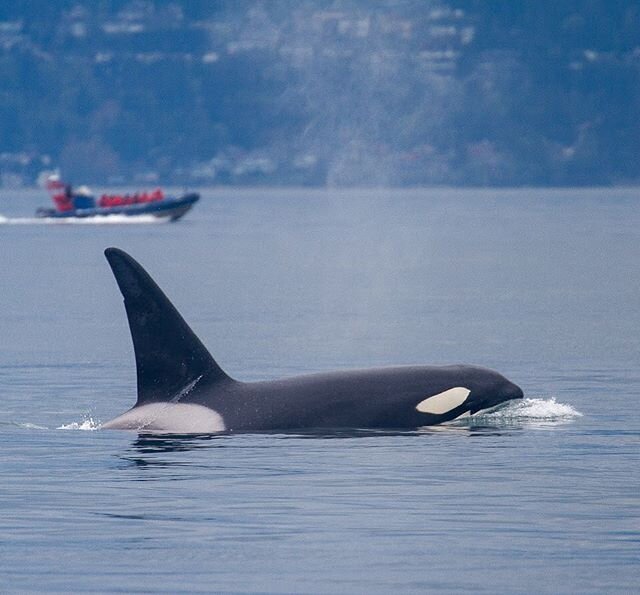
(543, 496)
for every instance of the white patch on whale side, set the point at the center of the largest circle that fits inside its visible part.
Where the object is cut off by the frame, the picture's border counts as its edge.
(174, 418)
(444, 402)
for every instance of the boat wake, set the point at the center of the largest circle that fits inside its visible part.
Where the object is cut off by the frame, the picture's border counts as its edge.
(95, 220)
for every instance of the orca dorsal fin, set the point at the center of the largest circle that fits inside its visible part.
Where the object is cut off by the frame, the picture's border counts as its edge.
(170, 359)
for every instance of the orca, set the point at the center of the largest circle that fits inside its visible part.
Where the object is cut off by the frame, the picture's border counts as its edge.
(182, 390)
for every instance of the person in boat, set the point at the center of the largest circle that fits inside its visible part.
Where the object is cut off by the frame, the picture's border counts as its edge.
(64, 200)
(118, 200)
(83, 198)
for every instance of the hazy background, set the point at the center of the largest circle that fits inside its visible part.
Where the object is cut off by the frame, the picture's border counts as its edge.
(338, 93)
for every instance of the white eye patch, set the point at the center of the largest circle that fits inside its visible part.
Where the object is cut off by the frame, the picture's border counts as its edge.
(444, 402)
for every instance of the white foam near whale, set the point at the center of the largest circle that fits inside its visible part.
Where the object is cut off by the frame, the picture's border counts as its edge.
(535, 408)
(88, 425)
(529, 411)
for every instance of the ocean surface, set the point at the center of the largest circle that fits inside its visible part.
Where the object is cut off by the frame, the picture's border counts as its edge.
(542, 496)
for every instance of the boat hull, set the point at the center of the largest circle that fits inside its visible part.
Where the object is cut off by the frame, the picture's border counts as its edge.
(168, 208)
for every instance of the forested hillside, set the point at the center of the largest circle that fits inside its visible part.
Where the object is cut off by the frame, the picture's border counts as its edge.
(350, 92)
